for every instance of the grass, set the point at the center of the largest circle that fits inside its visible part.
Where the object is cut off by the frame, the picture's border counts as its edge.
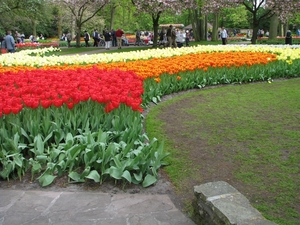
(82, 50)
(252, 131)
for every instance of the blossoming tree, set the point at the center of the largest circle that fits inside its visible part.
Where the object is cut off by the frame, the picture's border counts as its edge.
(157, 7)
(260, 9)
(82, 11)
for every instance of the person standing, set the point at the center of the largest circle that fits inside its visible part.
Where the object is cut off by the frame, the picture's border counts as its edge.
(107, 39)
(248, 33)
(137, 38)
(180, 38)
(3, 49)
(22, 38)
(119, 34)
(96, 38)
(173, 38)
(69, 39)
(224, 36)
(31, 38)
(18, 37)
(288, 38)
(267, 33)
(187, 38)
(63, 37)
(169, 35)
(113, 37)
(9, 42)
(161, 37)
(86, 38)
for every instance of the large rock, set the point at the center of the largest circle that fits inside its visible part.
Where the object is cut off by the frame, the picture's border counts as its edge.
(218, 203)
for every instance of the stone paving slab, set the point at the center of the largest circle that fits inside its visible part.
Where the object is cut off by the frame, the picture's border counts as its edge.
(20, 207)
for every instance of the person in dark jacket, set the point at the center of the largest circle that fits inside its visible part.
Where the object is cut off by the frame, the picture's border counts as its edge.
(9, 42)
(288, 38)
(107, 39)
(113, 38)
(86, 38)
(96, 38)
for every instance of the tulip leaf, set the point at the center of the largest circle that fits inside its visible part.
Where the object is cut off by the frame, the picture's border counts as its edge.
(75, 176)
(149, 180)
(127, 176)
(114, 172)
(46, 179)
(154, 99)
(94, 175)
(18, 160)
(138, 177)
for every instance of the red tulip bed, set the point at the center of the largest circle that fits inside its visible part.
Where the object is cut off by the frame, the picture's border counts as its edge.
(33, 45)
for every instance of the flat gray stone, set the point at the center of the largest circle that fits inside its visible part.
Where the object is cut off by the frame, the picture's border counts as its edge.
(213, 189)
(87, 208)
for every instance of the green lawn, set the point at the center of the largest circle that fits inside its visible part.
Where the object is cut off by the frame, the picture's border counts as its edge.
(81, 50)
(247, 135)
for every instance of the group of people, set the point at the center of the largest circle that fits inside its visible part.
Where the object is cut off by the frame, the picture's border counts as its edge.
(8, 42)
(112, 38)
(20, 38)
(173, 37)
(143, 37)
(288, 35)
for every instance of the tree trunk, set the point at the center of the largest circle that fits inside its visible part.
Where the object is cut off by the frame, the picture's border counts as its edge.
(202, 28)
(196, 25)
(155, 19)
(205, 28)
(215, 34)
(78, 31)
(33, 22)
(281, 31)
(112, 17)
(274, 26)
(255, 26)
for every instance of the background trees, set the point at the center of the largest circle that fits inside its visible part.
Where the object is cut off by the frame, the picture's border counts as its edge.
(54, 17)
(23, 15)
(260, 10)
(156, 8)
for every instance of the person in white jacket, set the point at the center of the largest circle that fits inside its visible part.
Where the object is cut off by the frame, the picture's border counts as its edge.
(180, 38)
(224, 36)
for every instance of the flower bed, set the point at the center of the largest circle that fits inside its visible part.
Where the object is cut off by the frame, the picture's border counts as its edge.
(82, 115)
(34, 45)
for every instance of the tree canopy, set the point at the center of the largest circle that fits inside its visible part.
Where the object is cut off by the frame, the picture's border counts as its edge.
(260, 9)
(54, 17)
(156, 8)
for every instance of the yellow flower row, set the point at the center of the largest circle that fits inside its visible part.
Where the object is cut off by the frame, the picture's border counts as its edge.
(24, 58)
